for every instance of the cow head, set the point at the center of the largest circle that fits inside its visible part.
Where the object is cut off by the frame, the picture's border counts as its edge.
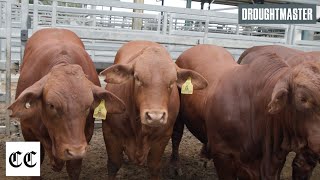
(155, 76)
(63, 99)
(299, 91)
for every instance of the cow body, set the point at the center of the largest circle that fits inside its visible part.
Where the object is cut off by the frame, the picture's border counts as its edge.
(305, 160)
(56, 90)
(251, 112)
(152, 104)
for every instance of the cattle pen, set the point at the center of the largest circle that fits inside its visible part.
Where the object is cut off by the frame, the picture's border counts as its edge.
(105, 25)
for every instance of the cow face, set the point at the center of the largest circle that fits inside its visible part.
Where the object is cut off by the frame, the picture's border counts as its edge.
(155, 76)
(63, 99)
(300, 90)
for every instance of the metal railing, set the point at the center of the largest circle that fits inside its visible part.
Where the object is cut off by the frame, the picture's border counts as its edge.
(167, 25)
(5, 34)
(103, 29)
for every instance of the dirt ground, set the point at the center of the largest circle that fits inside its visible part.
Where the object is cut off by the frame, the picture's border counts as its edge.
(95, 163)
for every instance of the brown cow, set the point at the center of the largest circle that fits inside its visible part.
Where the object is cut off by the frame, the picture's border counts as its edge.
(284, 52)
(146, 79)
(252, 114)
(57, 90)
(305, 160)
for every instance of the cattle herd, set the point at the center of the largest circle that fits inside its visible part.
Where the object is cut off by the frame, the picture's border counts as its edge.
(248, 116)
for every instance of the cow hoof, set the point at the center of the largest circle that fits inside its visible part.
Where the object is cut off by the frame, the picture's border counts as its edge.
(176, 172)
(205, 164)
(57, 165)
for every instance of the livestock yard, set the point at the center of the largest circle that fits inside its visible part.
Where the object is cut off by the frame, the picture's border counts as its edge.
(95, 164)
(104, 26)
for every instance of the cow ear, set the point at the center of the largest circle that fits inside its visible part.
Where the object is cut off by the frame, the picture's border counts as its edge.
(113, 103)
(198, 81)
(279, 96)
(26, 105)
(117, 74)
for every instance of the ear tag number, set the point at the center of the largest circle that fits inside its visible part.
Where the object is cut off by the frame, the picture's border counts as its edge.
(187, 87)
(100, 112)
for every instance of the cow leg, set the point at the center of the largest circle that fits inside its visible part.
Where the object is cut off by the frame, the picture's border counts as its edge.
(115, 155)
(74, 168)
(154, 159)
(176, 139)
(56, 164)
(204, 155)
(224, 167)
(89, 128)
(115, 160)
(42, 153)
(29, 136)
(303, 165)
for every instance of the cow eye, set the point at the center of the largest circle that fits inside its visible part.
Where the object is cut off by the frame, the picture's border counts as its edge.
(50, 106)
(139, 83)
(303, 99)
(171, 85)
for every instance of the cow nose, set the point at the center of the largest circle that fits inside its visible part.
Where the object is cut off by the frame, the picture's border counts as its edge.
(155, 115)
(77, 152)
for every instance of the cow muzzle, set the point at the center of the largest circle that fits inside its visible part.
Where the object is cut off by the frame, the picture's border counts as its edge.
(75, 152)
(154, 117)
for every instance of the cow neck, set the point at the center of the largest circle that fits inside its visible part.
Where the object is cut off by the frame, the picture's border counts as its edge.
(273, 129)
(282, 129)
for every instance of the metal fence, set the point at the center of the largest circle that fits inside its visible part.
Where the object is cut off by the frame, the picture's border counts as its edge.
(104, 30)
(5, 36)
(105, 25)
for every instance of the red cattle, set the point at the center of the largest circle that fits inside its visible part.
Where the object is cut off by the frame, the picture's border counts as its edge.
(251, 116)
(146, 79)
(58, 89)
(305, 160)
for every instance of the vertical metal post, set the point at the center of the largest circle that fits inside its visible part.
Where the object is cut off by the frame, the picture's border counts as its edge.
(159, 23)
(24, 25)
(206, 30)
(110, 18)
(188, 23)
(24, 14)
(1, 15)
(8, 63)
(289, 34)
(94, 17)
(54, 13)
(188, 4)
(175, 24)
(35, 15)
(165, 21)
(170, 24)
(137, 22)
(296, 35)
(286, 34)
(237, 29)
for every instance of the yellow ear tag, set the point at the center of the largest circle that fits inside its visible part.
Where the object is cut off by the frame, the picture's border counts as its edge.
(100, 112)
(187, 87)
